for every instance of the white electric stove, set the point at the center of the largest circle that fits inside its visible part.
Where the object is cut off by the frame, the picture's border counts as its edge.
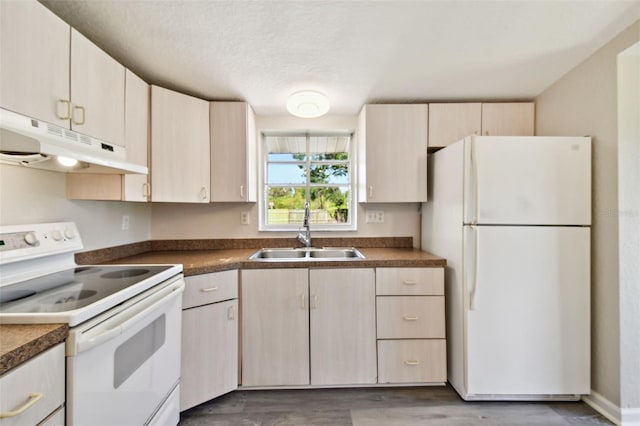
(124, 318)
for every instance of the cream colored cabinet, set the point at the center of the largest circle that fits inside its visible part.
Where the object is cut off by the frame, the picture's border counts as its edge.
(53, 73)
(508, 119)
(35, 390)
(136, 136)
(35, 51)
(275, 327)
(392, 153)
(451, 122)
(209, 337)
(129, 187)
(410, 322)
(97, 91)
(179, 147)
(233, 152)
(343, 333)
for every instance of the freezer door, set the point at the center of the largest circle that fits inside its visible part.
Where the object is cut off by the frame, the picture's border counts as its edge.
(527, 316)
(528, 180)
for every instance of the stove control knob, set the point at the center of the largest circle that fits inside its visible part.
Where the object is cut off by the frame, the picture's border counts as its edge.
(70, 233)
(31, 239)
(56, 235)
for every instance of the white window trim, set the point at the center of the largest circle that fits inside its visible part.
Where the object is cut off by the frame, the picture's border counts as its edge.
(262, 196)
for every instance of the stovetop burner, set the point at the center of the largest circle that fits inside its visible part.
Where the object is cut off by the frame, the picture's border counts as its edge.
(72, 288)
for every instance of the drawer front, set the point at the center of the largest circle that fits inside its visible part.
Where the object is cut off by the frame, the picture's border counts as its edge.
(410, 317)
(41, 379)
(210, 288)
(412, 361)
(409, 281)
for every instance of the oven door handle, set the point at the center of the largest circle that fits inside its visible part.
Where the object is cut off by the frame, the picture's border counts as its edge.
(125, 319)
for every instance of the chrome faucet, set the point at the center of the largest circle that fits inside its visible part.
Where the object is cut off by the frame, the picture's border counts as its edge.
(305, 237)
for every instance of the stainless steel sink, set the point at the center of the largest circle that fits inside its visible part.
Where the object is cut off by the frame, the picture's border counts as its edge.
(307, 254)
(278, 254)
(342, 253)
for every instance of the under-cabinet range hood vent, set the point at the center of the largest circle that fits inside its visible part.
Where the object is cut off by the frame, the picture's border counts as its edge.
(37, 144)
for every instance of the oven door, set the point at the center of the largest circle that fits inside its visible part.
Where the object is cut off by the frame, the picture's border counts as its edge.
(123, 366)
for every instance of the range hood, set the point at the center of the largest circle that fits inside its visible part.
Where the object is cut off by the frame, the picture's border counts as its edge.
(37, 144)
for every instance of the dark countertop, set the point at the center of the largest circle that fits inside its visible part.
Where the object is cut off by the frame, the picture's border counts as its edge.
(196, 262)
(21, 342)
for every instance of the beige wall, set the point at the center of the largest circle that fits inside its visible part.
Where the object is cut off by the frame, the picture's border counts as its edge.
(32, 196)
(222, 220)
(629, 223)
(584, 102)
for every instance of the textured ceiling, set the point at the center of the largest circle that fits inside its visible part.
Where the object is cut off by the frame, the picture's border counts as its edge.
(353, 51)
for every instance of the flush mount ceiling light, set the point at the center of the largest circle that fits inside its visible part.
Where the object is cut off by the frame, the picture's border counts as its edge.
(308, 104)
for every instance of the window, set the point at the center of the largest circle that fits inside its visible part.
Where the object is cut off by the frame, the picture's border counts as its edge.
(314, 168)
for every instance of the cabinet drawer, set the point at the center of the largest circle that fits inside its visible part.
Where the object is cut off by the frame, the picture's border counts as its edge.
(412, 361)
(210, 288)
(41, 378)
(410, 281)
(410, 317)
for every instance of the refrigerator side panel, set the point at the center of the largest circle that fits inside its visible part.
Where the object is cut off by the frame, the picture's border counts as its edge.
(529, 322)
(442, 236)
(531, 180)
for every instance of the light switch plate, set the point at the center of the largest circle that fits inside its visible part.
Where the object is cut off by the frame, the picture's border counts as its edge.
(244, 218)
(375, 216)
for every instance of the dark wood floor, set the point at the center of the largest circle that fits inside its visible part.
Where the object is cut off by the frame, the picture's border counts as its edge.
(381, 407)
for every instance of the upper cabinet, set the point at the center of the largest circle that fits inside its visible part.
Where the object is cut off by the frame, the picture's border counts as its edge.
(129, 187)
(97, 91)
(392, 153)
(233, 152)
(179, 147)
(35, 62)
(44, 62)
(508, 119)
(136, 136)
(451, 122)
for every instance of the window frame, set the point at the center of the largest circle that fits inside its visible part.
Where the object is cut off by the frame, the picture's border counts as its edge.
(263, 200)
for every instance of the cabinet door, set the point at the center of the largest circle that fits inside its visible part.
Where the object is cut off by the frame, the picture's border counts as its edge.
(508, 119)
(232, 152)
(209, 352)
(136, 135)
(41, 379)
(394, 145)
(449, 123)
(343, 332)
(275, 327)
(35, 61)
(179, 147)
(97, 88)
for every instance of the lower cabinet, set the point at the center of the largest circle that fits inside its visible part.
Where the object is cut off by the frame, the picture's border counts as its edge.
(343, 332)
(34, 392)
(275, 327)
(411, 325)
(209, 337)
(302, 327)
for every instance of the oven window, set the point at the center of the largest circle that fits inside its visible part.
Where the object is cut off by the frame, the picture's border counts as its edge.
(140, 347)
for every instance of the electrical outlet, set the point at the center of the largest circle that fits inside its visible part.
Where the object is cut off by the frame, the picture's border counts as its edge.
(125, 222)
(244, 218)
(375, 216)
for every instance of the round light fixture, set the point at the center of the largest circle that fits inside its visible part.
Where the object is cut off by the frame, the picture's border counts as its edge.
(308, 104)
(67, 161)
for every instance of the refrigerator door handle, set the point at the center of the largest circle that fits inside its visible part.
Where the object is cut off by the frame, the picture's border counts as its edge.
(470, 182)
(472, 271)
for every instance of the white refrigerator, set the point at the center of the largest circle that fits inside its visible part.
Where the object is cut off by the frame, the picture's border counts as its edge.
(512, 217)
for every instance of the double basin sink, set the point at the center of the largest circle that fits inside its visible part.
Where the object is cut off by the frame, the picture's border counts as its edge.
(307, 254)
